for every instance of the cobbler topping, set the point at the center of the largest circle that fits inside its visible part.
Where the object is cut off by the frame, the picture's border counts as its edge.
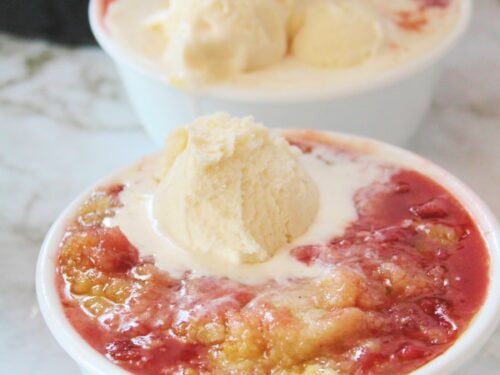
(402, 282)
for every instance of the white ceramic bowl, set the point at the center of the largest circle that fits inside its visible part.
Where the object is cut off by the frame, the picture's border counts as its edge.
(480, 328)
(388, 106)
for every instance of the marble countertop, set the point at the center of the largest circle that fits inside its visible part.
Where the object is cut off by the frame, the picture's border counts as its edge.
(64, 123)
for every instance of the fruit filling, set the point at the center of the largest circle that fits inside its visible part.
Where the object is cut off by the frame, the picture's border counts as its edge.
(400, 285)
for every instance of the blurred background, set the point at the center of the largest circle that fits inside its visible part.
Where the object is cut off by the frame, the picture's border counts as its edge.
(65, 122)
(62, 21)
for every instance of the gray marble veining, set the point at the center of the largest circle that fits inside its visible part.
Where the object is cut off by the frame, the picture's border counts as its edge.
(64, 123)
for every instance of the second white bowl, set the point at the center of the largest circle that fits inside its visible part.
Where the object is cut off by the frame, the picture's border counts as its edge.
(388, 107)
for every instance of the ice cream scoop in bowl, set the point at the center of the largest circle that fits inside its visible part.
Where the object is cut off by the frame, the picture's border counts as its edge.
(393, 259)
(310, 74)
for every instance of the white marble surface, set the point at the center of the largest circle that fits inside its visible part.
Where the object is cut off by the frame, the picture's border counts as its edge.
(64, 122)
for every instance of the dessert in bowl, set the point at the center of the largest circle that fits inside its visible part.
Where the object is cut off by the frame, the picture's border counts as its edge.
(243, 250)
(287, 62)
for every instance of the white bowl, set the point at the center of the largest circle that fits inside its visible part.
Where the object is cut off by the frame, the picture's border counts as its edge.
(388, 106)
(471, 340)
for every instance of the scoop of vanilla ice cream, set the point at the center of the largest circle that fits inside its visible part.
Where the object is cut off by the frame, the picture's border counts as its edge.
(334, 34)
(214, 39)
(234, 190)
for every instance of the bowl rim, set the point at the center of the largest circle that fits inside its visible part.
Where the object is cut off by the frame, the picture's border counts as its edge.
(376, 82)
(480, 328)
